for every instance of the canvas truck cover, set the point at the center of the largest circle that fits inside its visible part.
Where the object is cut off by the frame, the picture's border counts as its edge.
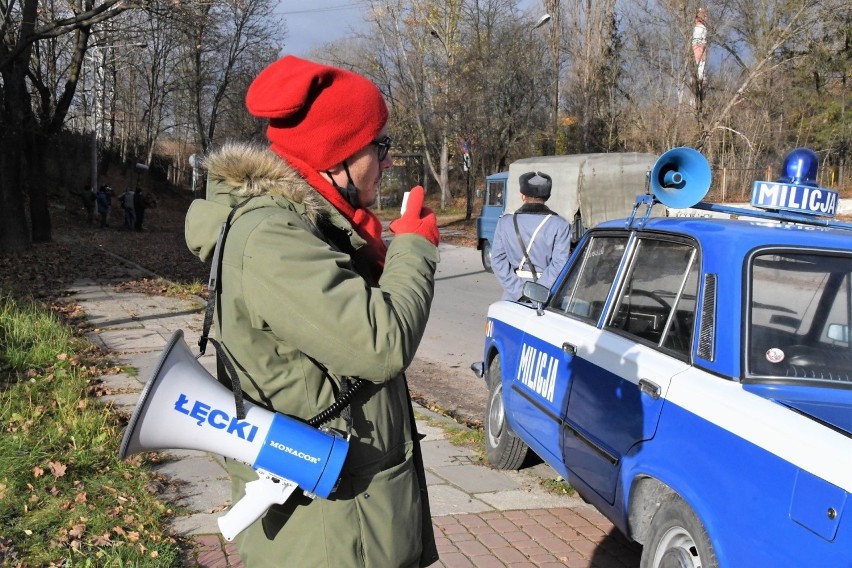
(599, 186)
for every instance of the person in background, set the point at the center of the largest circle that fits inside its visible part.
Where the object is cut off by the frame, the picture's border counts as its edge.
(141, 202)
(128, 203)
(531, 244)
(88, 199)
(312, 300)
(103, 204)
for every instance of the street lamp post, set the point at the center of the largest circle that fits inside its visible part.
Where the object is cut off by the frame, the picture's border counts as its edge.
(553, 18)
(444, 160)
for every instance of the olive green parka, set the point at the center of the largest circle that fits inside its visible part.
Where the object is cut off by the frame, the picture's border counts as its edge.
(295, 297)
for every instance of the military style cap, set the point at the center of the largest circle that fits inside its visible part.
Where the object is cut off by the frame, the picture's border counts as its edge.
(536, 184)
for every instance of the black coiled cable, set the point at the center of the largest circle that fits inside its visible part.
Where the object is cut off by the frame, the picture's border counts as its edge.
(338, 406)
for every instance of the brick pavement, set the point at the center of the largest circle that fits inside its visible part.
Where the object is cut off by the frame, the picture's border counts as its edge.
(577, 537)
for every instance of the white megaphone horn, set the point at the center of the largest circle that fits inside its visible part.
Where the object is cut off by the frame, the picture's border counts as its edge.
(184, 407)
(680, 178)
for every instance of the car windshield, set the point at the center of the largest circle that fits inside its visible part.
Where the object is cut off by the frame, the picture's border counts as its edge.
(800, 317)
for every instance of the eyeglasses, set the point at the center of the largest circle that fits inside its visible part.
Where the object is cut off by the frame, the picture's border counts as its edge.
(384, 146)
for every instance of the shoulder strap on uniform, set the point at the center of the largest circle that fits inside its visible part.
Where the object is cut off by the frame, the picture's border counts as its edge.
(524, 249)
(535, 233)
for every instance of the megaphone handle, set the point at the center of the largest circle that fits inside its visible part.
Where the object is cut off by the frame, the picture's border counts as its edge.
(261, 494)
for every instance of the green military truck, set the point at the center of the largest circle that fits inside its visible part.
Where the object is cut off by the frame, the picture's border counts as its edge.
(587, 189)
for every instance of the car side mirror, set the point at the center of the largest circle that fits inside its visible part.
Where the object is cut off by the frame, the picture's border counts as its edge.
(836, 331)
(538, 294)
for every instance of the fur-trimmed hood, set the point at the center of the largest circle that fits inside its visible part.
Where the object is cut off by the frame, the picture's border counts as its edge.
(237, 172)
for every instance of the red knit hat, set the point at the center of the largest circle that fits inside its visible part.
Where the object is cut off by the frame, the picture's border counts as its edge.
(318, 114)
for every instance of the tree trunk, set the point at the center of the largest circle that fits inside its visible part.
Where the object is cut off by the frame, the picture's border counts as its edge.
(16, 120)
(14, 232)
(33, 184)
(444, 180)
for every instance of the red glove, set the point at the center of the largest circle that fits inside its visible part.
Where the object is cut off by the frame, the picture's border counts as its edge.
(417, 219)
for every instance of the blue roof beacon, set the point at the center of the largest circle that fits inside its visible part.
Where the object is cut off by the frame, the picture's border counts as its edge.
(797, 190)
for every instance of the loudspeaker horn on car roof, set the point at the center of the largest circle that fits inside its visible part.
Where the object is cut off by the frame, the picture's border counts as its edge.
(680, 178)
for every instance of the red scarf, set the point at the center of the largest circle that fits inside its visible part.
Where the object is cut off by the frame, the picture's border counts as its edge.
(365, 222)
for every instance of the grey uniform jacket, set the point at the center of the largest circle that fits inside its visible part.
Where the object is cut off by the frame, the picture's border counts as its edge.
(549, 250)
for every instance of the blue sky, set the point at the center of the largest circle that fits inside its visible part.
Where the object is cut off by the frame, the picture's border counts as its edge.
(311, 23)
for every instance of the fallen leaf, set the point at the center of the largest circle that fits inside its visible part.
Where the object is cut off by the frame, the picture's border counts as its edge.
(37, 472)
(57, 469)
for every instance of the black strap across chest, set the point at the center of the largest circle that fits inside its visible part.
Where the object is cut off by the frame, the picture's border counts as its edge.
(348, 387)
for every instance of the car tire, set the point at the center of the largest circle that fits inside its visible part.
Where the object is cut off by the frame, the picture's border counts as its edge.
(486, 256)
(677, 539)
(502, 446)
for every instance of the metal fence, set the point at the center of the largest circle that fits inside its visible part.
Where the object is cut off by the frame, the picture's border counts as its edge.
(734, 184)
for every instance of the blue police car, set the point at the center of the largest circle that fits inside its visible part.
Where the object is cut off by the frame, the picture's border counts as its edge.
(692, 377)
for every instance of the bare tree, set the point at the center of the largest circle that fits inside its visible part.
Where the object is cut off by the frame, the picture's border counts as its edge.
(35, 106)
(225, 39)
(509, 81)
(420, 42)
(593, 45)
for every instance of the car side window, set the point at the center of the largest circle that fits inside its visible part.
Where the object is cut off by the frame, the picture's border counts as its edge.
(800, 316)
(657, 301)
(585, 288)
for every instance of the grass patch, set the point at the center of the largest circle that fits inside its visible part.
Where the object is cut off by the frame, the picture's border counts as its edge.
(182, 290)
(65, 497)
(29, 337)
(558, 486)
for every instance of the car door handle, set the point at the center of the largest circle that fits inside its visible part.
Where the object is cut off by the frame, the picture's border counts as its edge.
(650, 388)
(569, 349)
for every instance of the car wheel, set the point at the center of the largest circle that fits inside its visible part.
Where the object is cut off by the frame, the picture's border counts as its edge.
(677, 539)
(502, 447)
(486, 256)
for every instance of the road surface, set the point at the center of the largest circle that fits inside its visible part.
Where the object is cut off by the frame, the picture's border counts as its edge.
(441, 375)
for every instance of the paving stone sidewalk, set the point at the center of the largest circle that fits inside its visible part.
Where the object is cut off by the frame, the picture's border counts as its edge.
(482, 517)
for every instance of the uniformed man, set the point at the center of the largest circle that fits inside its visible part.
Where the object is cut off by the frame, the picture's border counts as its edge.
(531, 244)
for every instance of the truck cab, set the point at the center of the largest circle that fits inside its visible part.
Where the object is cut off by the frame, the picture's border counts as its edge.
(493, 206)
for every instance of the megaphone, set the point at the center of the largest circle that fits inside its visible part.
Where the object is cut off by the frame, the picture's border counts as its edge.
(680, 178)
(183, 407)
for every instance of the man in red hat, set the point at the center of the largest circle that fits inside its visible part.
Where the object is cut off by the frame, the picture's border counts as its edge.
(312, 300)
